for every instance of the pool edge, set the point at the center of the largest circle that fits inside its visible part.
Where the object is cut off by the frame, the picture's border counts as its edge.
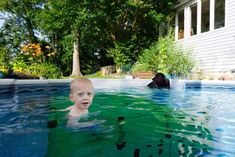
(99, 82)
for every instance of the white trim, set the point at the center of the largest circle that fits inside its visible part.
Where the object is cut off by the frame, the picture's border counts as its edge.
(226, 13)
(185, 22)
(189, 20)
(199, 16)
(212, 15)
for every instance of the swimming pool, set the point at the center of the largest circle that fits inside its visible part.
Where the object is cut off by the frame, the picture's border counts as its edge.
(136, 120)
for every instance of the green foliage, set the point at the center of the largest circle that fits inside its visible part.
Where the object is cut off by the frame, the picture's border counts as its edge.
(36, 69)
(132, 27)
(141, 67)
(118, 53)
(105, 30)
(165, 56)
(12, 34)
(25, 13)
(4, 60)
(96, 75)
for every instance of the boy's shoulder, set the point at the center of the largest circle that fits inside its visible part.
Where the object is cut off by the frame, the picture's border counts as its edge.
(67, 109)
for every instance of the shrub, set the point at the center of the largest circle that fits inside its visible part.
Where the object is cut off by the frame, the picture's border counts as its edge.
(37, 69)
(120, 54)
(165, 56)
(35, 60)
(4, 61)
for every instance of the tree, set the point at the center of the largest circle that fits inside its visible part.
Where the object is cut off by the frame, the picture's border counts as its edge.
(103, 30)
(25, 11)
(12, 34)
(71, 17)
(132, 26)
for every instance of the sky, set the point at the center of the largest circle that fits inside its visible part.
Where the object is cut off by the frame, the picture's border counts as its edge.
(1, 19)
(1, 22)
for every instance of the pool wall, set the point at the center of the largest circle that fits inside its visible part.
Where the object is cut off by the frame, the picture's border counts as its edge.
(107, 83)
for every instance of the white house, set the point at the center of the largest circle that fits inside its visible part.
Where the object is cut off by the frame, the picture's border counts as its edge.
(207, 27)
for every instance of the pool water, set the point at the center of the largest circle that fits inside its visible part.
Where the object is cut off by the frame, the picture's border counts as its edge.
(125, 122)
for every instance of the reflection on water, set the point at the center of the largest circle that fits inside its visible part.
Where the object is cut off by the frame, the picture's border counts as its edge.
(122, 122)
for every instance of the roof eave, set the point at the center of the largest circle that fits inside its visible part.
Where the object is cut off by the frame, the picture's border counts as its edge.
(181, 3)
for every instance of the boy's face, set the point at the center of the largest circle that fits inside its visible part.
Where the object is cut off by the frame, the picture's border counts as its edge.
(82, 95)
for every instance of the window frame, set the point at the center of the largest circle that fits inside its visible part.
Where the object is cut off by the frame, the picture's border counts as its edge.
(187, 18)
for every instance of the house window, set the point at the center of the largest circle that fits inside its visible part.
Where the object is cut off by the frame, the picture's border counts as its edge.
(205, 23)
(193, 19)
(181, 24)
(199, 16)
(219, 13)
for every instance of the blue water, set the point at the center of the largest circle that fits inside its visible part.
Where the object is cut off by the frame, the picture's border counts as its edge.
(137, 122)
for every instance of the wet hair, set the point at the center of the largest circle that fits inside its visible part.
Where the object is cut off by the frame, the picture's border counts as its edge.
(74, 83)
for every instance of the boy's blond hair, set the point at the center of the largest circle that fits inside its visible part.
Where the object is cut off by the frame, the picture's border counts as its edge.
(74, 83)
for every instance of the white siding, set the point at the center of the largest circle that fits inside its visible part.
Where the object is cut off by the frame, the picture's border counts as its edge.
(215, 50)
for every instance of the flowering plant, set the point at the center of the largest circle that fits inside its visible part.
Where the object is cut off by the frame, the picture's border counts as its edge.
(37, 53)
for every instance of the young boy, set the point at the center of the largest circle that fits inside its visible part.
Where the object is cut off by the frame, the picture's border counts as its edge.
(81, 94)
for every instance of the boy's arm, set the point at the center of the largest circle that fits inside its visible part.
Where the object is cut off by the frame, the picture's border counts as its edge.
(66, 109)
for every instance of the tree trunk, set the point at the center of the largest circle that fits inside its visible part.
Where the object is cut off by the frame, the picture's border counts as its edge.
(29, 25)
(55, 42)
(76, 61)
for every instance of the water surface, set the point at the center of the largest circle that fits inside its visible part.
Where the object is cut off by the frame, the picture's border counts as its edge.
(126, 122)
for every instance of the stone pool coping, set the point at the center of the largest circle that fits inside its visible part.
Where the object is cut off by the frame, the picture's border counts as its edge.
(103, 83)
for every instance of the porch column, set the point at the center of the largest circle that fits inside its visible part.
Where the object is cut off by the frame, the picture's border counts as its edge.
(212, 14)
(199, 16)
(186, 22)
